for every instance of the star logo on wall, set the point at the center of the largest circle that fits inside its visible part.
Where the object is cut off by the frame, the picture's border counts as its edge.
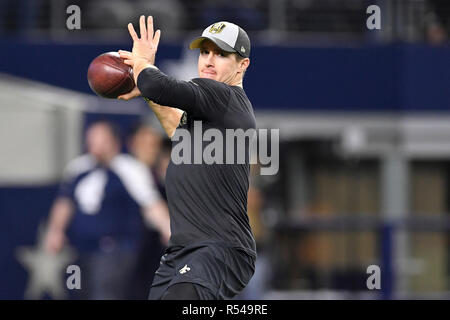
(45, 270)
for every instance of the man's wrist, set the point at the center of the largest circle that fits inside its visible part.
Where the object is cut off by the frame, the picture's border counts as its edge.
(139, 65)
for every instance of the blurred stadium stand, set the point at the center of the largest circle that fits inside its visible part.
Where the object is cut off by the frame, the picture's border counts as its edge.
(268, 21)
(363, 117)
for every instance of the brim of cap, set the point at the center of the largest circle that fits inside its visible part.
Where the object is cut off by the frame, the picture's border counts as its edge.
(196, 44)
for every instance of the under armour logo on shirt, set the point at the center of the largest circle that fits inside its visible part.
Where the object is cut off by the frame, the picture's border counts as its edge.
(183, 119)
(184, 269)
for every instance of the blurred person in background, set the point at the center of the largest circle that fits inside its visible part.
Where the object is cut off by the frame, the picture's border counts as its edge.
(437, 22)
(146, 144)
(99, 206)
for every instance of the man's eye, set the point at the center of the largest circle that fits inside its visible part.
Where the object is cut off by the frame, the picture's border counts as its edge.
(204, 51)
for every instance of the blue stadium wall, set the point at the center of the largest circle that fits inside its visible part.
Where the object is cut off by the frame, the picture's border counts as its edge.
(396, 77)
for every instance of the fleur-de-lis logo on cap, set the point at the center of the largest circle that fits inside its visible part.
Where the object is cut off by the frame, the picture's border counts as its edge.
(217, 27)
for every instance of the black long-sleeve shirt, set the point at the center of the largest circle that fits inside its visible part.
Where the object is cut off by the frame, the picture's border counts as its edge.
(206, 201)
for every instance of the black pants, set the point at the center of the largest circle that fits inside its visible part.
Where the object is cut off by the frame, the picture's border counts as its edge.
(214, 271)
(187, 291)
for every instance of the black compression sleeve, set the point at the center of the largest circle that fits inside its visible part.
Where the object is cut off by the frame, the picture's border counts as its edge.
(166, 91)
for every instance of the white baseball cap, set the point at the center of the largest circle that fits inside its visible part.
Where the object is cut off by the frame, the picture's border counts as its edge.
(227, 36)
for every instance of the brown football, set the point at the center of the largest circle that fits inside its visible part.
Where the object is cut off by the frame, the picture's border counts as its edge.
(109, 76)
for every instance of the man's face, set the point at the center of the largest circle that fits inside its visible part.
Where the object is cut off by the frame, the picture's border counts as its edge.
(101, 143)
(146, 145)
(216, 64)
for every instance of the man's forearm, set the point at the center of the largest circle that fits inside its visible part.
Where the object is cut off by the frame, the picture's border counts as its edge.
(168, 117)
(165, 90)
(60, 215)
(158, 216)
(139, 65)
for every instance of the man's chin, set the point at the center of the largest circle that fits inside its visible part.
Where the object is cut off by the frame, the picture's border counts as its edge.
(209, 76)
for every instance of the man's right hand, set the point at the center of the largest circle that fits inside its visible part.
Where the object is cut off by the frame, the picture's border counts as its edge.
(127, 55)
(130, 95)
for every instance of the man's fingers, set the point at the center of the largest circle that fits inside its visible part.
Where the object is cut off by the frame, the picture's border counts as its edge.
(125, 54)
(143, 29)
(130, 95)
(132, 32)
(128, 62)
(156, 38)
(150, 27)
(126, 96)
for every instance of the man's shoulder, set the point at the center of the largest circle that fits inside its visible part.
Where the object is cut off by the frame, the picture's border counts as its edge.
(241, 107)
(131, 170)
(126, 158)
(206, 83)
(136, 177)
(79, 165)
(124, 162)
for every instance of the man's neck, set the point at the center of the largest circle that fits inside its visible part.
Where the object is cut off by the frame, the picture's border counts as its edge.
(237, 83)
(107, 159)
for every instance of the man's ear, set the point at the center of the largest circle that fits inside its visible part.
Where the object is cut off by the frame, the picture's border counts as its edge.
(243, 64)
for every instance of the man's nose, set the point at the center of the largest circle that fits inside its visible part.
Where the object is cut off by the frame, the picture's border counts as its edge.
(210, 59)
